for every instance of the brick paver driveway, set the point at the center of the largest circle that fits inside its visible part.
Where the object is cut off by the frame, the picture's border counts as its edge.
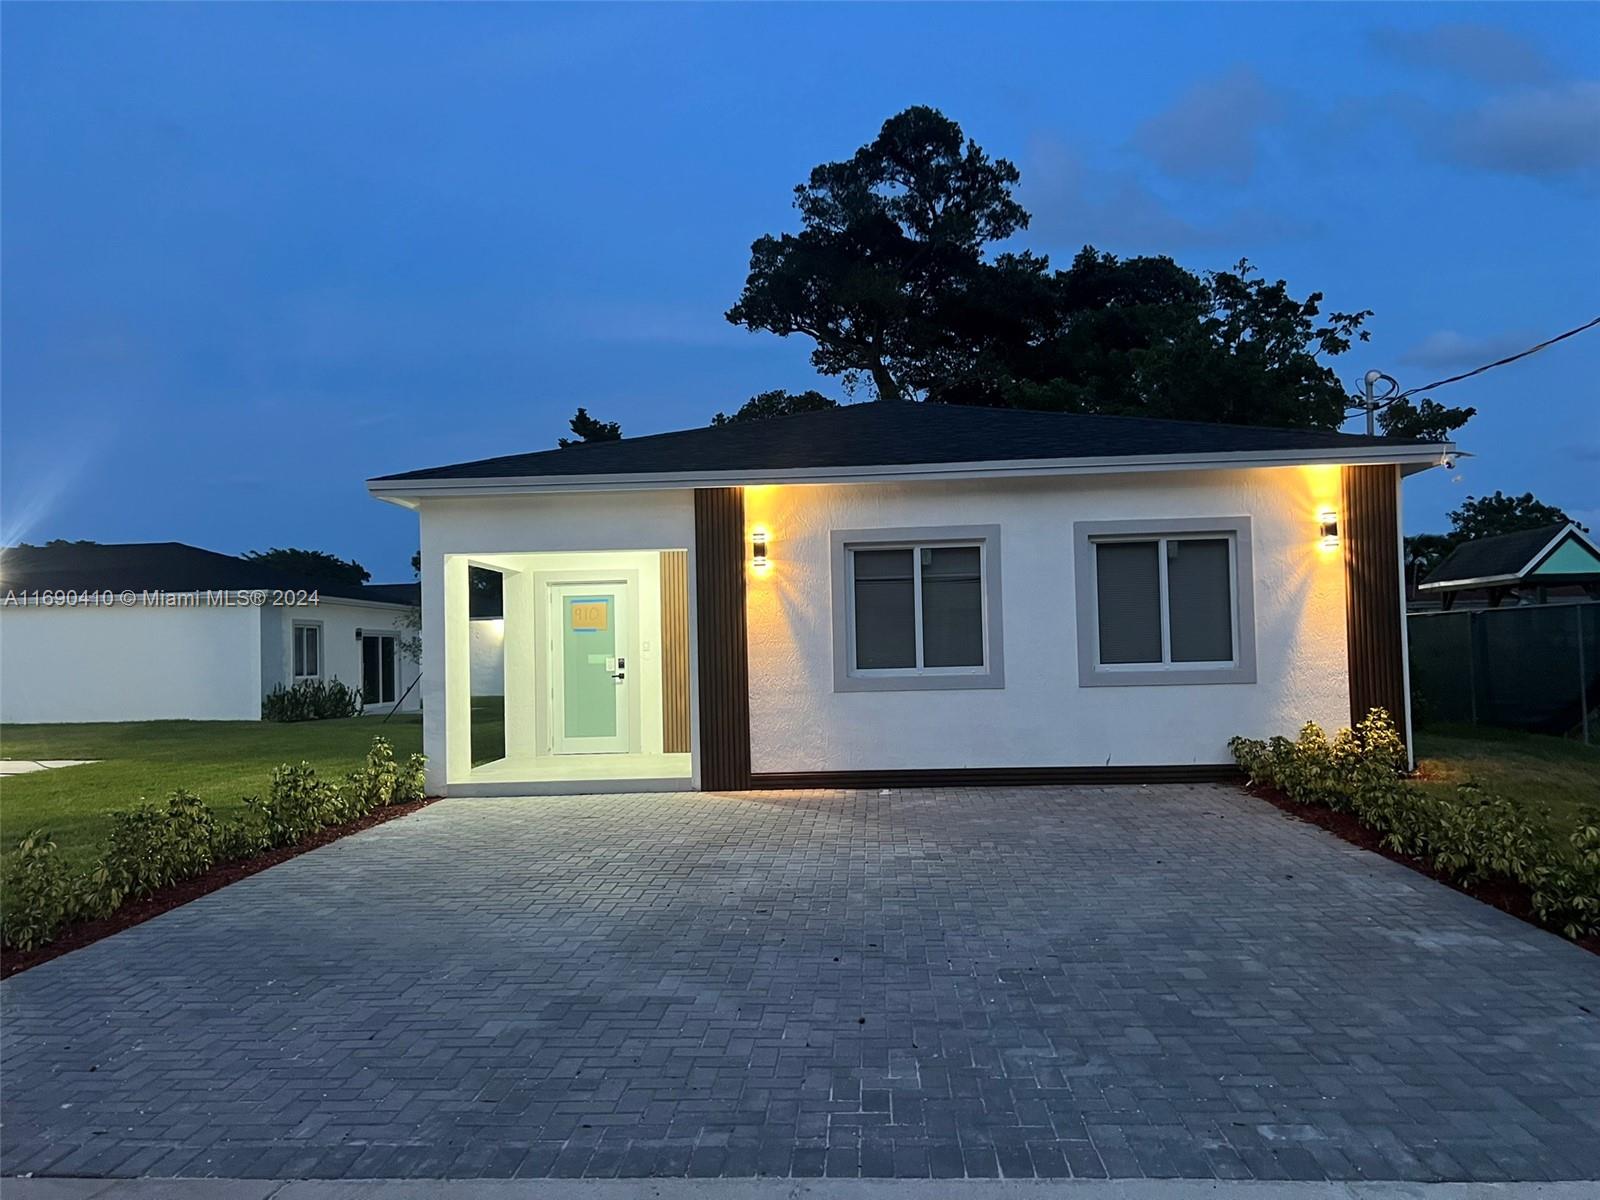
(1122, 981)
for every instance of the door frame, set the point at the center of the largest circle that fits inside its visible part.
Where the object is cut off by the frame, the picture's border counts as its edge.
(394, 657)
(544, 635)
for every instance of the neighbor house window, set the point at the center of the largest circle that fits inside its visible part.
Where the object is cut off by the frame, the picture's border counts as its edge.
(1165, 602)
(308, 651)
(917, 608)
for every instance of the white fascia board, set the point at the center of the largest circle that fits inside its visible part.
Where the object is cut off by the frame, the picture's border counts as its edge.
(408, 491)
(1571, 530)
(1457, 585)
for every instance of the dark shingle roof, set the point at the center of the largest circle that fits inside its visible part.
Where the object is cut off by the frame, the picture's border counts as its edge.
(164, 567)
(886, 434)
(1495, 557)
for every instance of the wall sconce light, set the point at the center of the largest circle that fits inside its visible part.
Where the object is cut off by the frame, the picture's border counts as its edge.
(1328, 526)
(758, 547)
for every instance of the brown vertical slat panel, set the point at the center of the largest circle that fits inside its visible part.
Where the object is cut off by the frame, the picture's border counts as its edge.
(1370, 531)
(675, 651)
(724, 665)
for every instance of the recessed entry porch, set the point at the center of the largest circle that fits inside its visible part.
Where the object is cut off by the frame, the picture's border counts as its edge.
(567, 671)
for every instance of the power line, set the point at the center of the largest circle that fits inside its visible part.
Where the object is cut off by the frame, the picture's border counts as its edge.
(1439, 383)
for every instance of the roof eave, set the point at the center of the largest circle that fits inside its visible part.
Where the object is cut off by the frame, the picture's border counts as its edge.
(1456, 585)
(1411, 459)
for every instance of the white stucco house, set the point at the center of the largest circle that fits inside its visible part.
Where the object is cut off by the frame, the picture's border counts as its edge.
(161, 630)
(891, 594)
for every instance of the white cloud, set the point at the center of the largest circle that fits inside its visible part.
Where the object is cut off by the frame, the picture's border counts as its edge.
(1537, 132)
(1449, 349)
(1074, 203)
(1213, 129)
(1484, 53)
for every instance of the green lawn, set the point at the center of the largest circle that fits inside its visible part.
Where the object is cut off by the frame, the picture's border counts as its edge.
(220, 761)
(488, 729)
(1527, 767)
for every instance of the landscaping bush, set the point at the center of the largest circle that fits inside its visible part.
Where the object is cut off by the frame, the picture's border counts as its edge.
(297, 805)
(310, 700)
(1470, 837)
(154, 846)
(38, 898)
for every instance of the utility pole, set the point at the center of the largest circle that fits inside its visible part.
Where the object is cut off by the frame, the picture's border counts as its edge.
(1371, 403)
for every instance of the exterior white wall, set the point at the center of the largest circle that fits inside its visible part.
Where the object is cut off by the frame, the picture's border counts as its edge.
(1041, 717)
(517, 525)
(130, 664)
(341, 652)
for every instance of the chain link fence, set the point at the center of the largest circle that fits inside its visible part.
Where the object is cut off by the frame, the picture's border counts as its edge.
(1534, 667)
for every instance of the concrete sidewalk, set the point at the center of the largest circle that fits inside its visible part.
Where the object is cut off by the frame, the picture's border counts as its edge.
(771, 1189)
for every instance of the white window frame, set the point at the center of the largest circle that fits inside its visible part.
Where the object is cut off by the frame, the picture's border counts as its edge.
(294, 647)
(1241, 668)
(847, 677)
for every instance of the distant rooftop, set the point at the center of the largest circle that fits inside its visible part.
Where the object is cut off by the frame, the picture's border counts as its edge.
(167, 567)
(1550, 554)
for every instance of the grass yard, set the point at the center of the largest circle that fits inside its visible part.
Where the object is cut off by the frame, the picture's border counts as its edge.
(1529, 768)
(220, 761)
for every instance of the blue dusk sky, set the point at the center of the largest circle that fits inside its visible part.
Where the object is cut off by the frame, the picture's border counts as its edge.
(254, 254)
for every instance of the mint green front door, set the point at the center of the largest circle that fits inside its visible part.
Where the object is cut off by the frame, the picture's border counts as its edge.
(591, 683)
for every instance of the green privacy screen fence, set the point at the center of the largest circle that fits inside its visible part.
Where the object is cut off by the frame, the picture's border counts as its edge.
(1534, 667)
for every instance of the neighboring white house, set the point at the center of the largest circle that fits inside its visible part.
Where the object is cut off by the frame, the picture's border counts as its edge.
(893, 594)
(161, 630)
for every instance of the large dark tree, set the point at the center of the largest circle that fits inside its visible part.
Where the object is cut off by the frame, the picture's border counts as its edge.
(889, 238)
(590, 429)
(891, 276)
(1425, 419)
(776, 403)
(1486, 516)
(313, 566)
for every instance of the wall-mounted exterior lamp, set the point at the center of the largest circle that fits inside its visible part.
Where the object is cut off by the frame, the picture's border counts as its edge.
(758, 547)
(1328, 526)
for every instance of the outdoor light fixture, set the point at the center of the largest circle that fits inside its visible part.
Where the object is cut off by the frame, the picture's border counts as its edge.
(758, 547)
(1328, 524)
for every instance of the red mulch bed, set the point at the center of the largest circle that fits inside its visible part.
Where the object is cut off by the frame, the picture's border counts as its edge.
(138, 911)
(1505, 894)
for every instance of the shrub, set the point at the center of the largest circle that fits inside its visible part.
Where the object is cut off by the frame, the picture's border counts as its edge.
(413, 782)
(297, 805)
(310, 700)
(153, 846)
(38, 898)
(1470, 837)
(1566, 893)
(372, 786)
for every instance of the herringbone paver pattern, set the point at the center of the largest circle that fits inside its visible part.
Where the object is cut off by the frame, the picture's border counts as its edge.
(1173, 981)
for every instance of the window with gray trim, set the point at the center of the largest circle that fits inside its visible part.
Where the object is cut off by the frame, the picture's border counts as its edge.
(1165, 602)
(917, 609)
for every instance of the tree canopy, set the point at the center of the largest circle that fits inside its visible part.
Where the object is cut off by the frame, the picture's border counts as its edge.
(311, 565)
(892, 278)
(1486, 516)
(776, 403)
(590, 429)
